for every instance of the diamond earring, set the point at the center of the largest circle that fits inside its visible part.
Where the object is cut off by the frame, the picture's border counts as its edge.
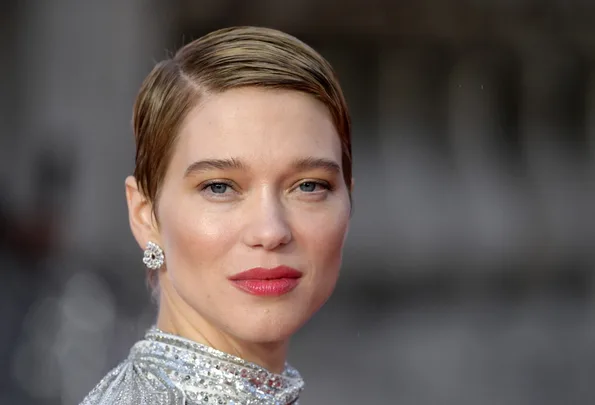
(153, 257)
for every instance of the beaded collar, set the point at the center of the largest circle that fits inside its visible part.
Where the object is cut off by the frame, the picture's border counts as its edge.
(208, 376)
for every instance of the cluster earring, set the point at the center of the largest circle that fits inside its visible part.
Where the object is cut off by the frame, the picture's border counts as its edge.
(153, 257)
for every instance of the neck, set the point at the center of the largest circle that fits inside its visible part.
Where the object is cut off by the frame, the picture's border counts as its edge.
(192, 326)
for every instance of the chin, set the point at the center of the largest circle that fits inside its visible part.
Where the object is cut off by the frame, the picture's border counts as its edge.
(268, 328)
(277, 320)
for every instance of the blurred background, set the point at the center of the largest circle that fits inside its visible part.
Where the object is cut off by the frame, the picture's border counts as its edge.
(468, 273)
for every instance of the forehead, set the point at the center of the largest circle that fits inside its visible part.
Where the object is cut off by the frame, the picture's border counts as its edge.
(258, 124)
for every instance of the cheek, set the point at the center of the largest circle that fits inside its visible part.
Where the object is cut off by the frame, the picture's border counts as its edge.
(324, 236)
(195, 241)
(324, 241)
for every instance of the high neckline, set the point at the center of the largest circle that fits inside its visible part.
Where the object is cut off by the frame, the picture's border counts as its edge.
(207, 375)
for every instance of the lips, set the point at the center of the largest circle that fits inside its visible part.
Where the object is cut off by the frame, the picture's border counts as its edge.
(259, 273)
(267, 282)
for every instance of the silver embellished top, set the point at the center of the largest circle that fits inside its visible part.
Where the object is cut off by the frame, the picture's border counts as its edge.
(167, 369)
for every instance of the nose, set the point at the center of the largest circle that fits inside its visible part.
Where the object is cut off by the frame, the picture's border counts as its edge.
(267, 226)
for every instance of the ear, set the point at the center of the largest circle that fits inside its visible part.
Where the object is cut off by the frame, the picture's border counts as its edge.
(140, 214)
(352, 185)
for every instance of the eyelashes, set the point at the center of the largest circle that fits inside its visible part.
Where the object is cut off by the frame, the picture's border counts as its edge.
(216, 187)
(311, 186)
(225, 188)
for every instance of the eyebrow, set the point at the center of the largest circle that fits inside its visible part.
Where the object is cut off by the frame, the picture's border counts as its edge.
(304, 164)
(312, 163)
(214, 164)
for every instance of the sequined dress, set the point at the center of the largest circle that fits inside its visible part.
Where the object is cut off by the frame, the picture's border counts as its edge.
(167, 369)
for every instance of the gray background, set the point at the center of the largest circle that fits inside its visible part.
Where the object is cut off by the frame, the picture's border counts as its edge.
(468, 272)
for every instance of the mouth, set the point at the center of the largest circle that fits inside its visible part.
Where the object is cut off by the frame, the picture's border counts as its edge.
(267, 282)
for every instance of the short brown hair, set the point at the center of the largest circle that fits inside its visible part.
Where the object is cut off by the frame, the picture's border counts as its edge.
(222, 60)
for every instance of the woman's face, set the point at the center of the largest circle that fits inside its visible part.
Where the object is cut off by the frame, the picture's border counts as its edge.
(255, 181)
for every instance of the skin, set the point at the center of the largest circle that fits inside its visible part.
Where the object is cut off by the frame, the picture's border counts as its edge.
(264, 210)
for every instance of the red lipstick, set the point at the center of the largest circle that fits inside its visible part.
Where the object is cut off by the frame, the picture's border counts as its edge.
(267, 282)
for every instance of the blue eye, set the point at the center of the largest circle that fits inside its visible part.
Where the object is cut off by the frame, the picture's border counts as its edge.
(308, 186)
(218, 188)
(312, 186)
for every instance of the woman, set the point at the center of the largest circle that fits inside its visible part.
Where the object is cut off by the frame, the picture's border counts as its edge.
(241, 199)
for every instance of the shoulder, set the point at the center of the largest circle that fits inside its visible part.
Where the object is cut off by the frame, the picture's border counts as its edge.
(132, 384)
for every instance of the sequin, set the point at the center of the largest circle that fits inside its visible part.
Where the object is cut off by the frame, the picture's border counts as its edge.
(164, 369)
